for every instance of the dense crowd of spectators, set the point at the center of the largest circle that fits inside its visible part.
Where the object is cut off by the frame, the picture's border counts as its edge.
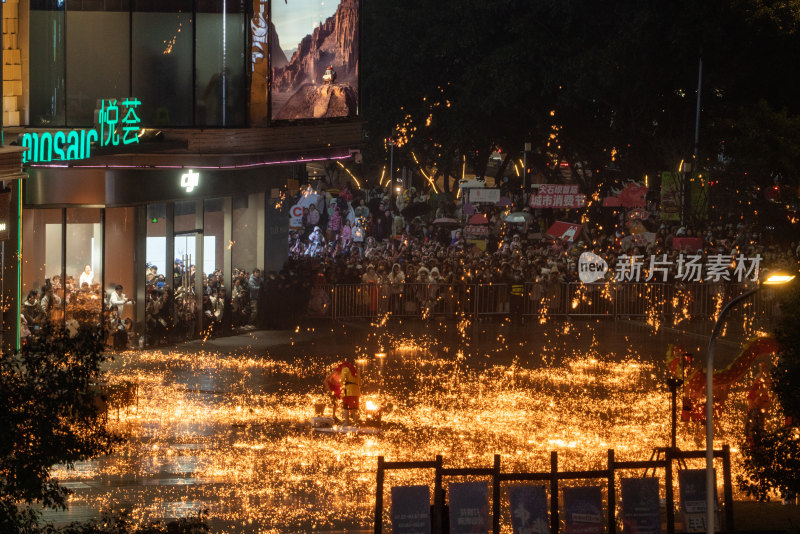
(64, 301)
(352, 236)
(344, 238)
(171, 312)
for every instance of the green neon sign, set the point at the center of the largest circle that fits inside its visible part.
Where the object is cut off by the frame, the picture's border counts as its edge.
(118, 124)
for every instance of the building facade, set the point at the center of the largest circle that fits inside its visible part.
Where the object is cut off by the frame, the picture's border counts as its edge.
(158, 138)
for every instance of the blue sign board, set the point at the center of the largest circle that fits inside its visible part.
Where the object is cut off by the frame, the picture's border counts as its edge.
(583, 510)
(640, 506)
(411, 510)
(528, 509)
(469, 508)
(692, 489)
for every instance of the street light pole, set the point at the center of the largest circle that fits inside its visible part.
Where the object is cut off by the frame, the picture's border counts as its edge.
(773, 280)
(710, 479)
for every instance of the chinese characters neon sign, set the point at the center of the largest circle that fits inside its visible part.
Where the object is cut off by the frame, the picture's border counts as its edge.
(118, 124)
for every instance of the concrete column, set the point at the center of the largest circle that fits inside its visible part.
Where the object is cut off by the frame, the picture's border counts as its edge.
(277, 235)
(199, 218)
(139, 271)
(169, 270)
(261, 228)
(227, 237)
(12, 251)
(227, 260)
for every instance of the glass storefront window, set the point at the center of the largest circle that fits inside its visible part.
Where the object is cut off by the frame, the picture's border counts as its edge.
(47, 81)
(158, 305)
(213, 236)
(98, 59)
(214, 275)
(119, 269)
(42, 275)
(220, 76)
(84, 265)
(162, 61)
(247, 234)
(186, 70)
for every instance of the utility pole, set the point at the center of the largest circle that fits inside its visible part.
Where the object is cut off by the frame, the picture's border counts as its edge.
(391, 173)
(695, 165)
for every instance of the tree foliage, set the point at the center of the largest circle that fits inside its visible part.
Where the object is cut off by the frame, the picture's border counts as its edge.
(51, 412)
(582, 81)
(772, 459)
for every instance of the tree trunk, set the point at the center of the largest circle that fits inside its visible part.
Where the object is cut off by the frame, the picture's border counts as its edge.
(502, 169)
(448, 166)
(483, 161)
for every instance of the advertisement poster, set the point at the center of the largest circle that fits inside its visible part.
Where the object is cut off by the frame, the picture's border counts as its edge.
(692, 490)
(469, 508)
(670, 196)
(583, 510)
(640, 506)
(557, 196)
(528, 509)
(314, 59)
(411, 510)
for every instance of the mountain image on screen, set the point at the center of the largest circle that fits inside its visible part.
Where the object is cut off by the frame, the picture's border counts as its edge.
(298, 88)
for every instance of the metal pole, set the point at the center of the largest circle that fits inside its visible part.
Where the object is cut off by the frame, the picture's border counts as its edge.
(525, 150)
(378, 525)
(710, 479)
(391, 174)
(524, 169)
(697, 114)
(674, 384)
(687, 187)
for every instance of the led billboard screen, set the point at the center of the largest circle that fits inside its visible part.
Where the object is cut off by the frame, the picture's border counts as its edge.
(314, 59)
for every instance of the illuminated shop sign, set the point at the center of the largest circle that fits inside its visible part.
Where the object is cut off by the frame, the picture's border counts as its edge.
(118, 124)
(190, 180)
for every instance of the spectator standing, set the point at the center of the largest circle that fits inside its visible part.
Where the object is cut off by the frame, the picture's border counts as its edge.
(346, 234)
(254, 287)
(362, 210)
(335, 224)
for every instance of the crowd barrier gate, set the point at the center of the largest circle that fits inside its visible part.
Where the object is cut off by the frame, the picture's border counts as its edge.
(662, 301)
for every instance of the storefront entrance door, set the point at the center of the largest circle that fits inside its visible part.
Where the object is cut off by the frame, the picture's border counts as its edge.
(187, 279)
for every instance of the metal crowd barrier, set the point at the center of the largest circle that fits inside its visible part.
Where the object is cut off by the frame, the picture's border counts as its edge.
(664, 301)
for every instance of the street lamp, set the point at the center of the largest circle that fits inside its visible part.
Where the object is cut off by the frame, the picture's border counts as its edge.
(777, 278)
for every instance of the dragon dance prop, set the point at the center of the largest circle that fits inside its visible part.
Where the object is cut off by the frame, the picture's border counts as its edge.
(679, 366)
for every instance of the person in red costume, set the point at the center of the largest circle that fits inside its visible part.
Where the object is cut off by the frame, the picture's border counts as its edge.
(344, 383)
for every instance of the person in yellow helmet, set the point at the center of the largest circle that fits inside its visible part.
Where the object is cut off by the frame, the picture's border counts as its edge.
(344, 383)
